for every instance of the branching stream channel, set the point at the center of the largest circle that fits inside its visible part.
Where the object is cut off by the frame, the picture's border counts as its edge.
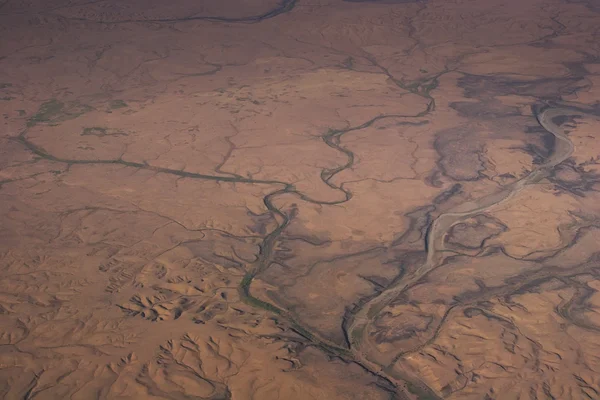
(357, 328)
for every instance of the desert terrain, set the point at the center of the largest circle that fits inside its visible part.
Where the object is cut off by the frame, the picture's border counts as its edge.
(300, 199)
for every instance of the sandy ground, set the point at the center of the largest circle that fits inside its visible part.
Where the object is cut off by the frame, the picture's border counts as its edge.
(198, 199)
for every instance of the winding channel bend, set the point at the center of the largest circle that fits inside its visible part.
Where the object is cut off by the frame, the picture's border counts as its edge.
(359, 326)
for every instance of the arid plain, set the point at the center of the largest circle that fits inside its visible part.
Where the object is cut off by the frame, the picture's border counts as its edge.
(300, 199)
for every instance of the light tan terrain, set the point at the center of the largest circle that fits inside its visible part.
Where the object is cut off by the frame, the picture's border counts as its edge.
(292, 199)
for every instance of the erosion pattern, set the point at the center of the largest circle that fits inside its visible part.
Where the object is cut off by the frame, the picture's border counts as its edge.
(300, 200)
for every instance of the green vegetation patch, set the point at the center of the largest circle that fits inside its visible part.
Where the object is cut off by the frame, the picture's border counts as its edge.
(357, 335)
(116, 104)
(253, 301)
(429, 86)
(95, 130)
(101, 131)
(245, 284)
(374, 310)
(5, 85)
(420, 393)
(54, 112)
(49, 110)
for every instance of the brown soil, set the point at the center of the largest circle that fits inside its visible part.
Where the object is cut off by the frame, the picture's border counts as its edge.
(290, 199)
